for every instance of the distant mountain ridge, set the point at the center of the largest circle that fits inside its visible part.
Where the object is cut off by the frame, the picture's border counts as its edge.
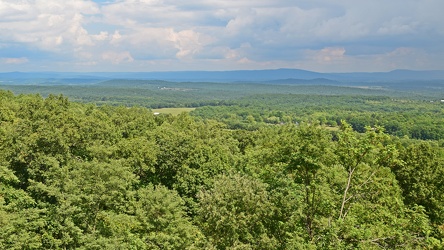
(277, 75)
(318, 81)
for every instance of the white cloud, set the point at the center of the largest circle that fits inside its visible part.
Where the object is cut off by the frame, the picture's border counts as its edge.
(188, 42)
(214, 34)
(116, 37)
(336, 60)
(329, 55)
(46, 24)
(19, 60)
(102, 36)
(87, 64)
(397, 26)
(51, 42)
(117, 57)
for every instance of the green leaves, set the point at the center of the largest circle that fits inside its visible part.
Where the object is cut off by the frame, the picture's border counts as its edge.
(236, 211)
(78, 176)
(162, 221)
(420, 176)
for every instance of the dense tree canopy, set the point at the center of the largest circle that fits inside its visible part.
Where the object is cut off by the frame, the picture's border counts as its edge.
(102, 177)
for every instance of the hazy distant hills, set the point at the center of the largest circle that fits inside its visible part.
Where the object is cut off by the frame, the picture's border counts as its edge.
(278, 76)
(395, 75)
(315, 81)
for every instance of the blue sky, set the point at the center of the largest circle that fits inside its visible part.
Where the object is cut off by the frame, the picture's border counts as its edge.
(171, 35)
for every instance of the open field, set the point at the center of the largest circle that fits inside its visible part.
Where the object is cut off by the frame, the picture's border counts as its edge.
(173, 111)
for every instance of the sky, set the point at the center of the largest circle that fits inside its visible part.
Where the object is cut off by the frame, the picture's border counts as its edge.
(177, 35)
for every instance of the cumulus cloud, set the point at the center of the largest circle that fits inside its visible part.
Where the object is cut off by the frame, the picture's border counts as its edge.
(45, 24)
(102, 36)
(219, 34)
(188, 42)
(335, 59)
(397, 26)
(19, 60)
(329, 55)
(117, 57)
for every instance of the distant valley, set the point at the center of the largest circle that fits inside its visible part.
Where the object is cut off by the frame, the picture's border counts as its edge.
(271, 75)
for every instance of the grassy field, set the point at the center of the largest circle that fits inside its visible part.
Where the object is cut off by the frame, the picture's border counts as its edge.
(173, 111)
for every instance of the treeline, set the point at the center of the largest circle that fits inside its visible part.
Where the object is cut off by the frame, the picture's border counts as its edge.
(399, 116)
(164, 94)
(101, 177)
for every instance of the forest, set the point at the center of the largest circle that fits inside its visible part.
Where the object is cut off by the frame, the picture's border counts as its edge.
(254, 166)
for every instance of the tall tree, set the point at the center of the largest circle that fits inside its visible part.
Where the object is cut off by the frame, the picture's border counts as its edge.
(236, 213)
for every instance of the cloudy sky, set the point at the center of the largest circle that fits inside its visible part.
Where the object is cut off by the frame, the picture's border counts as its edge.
(170, 35)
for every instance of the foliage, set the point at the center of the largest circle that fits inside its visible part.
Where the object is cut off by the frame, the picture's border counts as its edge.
(103, 177)
(236, 212)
